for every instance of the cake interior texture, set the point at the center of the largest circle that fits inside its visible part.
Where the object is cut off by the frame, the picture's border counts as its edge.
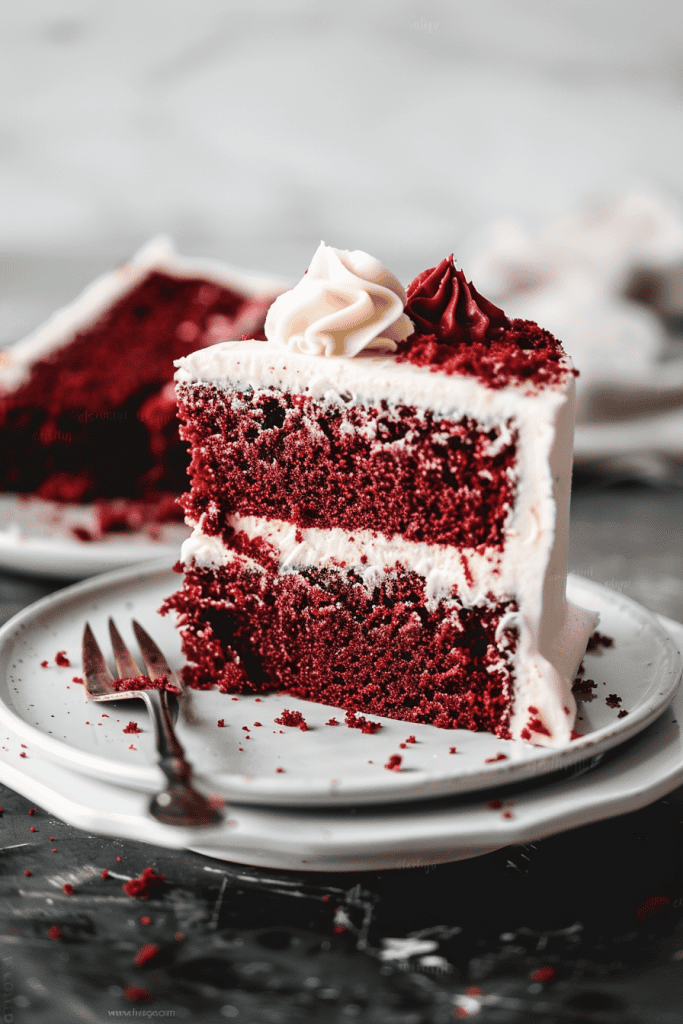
(385, 531)
(91, 414)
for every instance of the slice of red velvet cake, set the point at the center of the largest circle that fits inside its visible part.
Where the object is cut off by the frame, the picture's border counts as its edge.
(380, 506)
(87, 403)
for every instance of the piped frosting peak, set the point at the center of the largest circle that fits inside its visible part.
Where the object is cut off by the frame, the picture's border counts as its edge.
(345, 302)
(441, 302)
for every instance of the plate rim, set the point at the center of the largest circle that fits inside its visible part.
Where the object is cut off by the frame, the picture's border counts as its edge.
(391, 788)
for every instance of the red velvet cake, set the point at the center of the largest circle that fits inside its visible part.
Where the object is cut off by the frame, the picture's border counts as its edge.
(380, 506)
(87, 404)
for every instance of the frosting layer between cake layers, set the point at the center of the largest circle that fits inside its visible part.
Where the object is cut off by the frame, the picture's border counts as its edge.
(505, 572)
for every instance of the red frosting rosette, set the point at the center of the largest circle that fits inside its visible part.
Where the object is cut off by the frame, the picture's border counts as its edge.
(442, 303)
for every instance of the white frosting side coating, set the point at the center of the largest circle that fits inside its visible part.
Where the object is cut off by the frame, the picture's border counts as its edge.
(345, 302)
(444, 568)
(532, 568)
(158, 254)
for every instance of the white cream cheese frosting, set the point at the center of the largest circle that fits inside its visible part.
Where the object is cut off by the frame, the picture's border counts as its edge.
(345, 302)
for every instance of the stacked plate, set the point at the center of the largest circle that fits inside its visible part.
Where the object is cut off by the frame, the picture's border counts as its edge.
(323, 799)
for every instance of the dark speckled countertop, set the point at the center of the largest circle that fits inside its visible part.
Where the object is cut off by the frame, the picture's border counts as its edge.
(583, 926)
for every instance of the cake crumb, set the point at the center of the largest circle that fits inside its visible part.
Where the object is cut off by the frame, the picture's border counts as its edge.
(146, 953)
(332, 721)
(62, 660)
(54, 933)
(498, 757)
(131, 728)
(623, 713)
(68, 889)
(495, 805)
(452, 750)
(356, 721)
(221, 723)
(598, 640)
(104, 874)
(142, 886)
(612, 700)
(543, 974)
(293, 719)
(394, 763)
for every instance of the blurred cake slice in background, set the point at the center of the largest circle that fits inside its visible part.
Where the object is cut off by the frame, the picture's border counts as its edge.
(87, 405)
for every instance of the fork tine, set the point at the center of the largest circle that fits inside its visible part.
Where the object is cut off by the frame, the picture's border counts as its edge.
(124, 660)
(155, 662)
(97, 675)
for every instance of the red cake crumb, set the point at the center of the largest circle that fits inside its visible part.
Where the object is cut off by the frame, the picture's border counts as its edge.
(32, 810)
(32, 829)
(452, 750)
(612, 700)
(652, 906)
(498, 757)
(279, 770)
(145, 683)
(583, 687)
(495, 805)
(145, 920)
(356, 721)
(394, 763)
(543, 974)
(78, 679)
(54, 933)
(22, 754)
(142, 886)
(82, 534)
(68, 889)
(411, 739)
(44, 664)
(146, 953)
(131, 747)
(221, 723)
(117, 857)
(332, 721)
(136, 994)
(104, 874)
(62, 660)
(507, 815)
(27, 872)
(622, 713)
(576, 735)
(132, 727)
(180, 936)
(598, 640)
(292, 718)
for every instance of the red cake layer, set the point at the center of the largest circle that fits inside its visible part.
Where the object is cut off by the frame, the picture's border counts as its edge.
(64, 431)
(393, 470)
(322, 635)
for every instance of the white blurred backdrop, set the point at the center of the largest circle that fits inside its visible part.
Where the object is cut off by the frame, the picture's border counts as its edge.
(251, 129)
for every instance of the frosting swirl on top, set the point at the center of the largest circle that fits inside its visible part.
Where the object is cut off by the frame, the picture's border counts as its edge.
(442, 302)
(345, 302)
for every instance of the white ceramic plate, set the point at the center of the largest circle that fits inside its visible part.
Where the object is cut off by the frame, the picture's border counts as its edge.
(37, 538)
(373, 838)
(326, 765)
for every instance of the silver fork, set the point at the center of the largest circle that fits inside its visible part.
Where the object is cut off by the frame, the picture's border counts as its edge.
(179, 803)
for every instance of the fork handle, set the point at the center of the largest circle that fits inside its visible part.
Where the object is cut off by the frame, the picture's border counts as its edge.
(172, 761)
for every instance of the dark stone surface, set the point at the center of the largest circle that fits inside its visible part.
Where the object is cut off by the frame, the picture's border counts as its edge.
(600, 905)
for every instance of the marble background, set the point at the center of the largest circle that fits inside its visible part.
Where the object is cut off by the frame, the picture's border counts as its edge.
(251, 129)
